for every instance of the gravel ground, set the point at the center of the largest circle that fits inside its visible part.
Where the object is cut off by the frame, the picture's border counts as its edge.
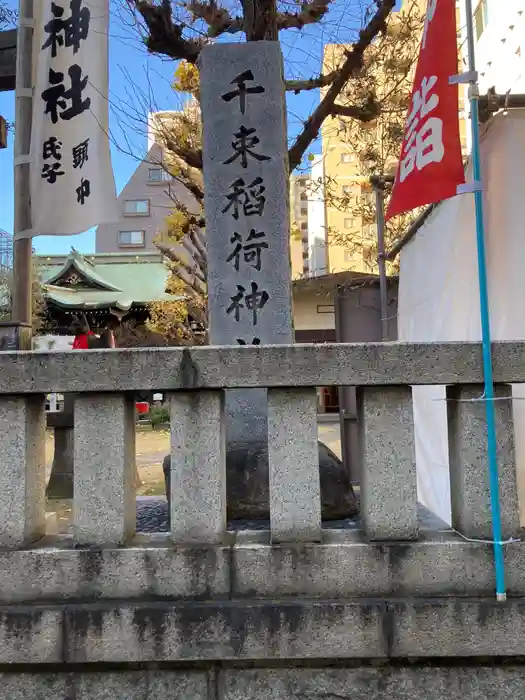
(152, 516)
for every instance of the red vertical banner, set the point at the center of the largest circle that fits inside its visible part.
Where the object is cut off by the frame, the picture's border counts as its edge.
(431, 166)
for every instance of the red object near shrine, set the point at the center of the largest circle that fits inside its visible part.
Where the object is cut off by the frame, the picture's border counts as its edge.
(142, 407)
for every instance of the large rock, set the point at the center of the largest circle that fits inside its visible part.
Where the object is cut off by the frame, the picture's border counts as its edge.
(338, 499)
(248, 484)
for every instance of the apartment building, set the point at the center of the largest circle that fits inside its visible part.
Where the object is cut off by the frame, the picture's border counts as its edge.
(299, 195)
(347, 170)
(348, 232)
(499, 28)
(149, 195)
(317, 220)
(145, 201)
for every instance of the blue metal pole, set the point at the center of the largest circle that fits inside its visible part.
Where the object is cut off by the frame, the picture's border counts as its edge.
(485, 314)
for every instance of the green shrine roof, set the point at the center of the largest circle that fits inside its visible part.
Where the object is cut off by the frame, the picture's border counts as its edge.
(116, 280)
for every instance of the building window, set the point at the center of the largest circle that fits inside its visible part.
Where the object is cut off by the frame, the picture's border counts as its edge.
(158, 175)
(480, 18)
(304, 225)
(133, 239)
(304, 212)
(349, 223)
(347, 157)
(136, 207)
(155, 175)
(304, 197)
(369, 231)
(325, 308)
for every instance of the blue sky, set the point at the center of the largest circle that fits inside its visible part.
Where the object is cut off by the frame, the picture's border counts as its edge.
(140, 81)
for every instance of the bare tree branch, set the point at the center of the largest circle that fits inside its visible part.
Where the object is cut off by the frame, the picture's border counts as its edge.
(164, 36)
(185, 178)
(8, 16)
(188, 274)
(352, 63)
(311, 13)
(191, 219)
(201, 254)
(364, 113)
(311, 83)
(218, 19)
(260, 20)
(192, 158)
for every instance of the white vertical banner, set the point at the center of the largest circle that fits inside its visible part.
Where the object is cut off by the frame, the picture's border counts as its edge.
(72, 184)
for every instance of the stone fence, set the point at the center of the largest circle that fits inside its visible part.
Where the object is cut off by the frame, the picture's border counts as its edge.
(104, 438)
(257, 614)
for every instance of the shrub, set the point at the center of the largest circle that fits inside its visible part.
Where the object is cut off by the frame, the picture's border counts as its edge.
(159, 415)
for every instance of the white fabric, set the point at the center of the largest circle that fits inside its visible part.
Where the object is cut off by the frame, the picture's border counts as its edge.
(439, 293)
(57, 208)
(53, 343)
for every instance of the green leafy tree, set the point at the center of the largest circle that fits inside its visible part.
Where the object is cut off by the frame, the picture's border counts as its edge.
(37, 300)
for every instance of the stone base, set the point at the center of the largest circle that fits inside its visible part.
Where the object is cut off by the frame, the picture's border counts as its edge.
(363, 682)
(60, 484)
(248, 483)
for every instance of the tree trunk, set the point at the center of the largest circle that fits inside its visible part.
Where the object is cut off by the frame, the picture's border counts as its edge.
(260, 20)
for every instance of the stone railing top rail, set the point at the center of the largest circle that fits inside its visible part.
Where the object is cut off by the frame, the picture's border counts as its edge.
(219, 367)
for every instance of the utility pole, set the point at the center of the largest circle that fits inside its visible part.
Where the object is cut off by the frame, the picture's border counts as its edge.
(22, 247)
(378, 183)
(7, 73)
(486, 341)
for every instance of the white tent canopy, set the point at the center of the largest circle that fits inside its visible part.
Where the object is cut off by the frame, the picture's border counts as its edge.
(439, 293)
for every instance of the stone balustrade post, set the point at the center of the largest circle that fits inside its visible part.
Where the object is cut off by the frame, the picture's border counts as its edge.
(198, 467)
(293, 456)
(388, 469)
(468, 461)
(104, 476)
(22, 470)
(60, 484)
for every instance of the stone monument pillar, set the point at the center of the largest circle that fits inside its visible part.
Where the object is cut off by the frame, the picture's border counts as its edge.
(245, 162)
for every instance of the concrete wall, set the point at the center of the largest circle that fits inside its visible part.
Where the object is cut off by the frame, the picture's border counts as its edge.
(366, 682)
(251, 621)
(313, 311)
(358, 320)
(296, 257)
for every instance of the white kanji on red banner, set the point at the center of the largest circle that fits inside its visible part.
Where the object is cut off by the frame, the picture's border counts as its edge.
(431, 11)
(430, 166)
(424, 139)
